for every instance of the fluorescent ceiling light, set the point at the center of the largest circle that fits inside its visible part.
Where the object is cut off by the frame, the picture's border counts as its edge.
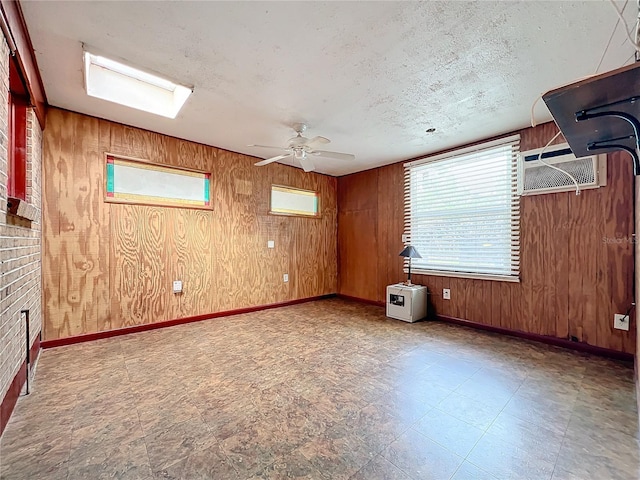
(119, 83)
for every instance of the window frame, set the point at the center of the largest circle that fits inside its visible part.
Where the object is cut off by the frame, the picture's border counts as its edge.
(112, 194)
(467, 271)
(294, 211)
(18, 117)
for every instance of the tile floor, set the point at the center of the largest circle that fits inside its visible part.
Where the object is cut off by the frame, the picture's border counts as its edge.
(323, 390)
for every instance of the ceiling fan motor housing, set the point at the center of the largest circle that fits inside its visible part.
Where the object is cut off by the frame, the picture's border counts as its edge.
(298, 142)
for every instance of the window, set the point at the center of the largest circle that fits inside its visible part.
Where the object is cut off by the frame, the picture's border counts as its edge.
(17, 130)
(294, 201)
(462, 212)
(129, 180)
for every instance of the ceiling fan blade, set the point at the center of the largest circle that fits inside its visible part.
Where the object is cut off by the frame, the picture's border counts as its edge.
(307, 164)
(336, 155)
(271, 160)
(268, 146)
(317, 141)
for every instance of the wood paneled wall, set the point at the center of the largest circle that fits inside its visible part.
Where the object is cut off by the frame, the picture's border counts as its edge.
(576, 255)
(108, 266)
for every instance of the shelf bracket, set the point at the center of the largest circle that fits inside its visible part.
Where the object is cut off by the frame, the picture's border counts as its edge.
(633, 121)
(608, 144)
(596, 112)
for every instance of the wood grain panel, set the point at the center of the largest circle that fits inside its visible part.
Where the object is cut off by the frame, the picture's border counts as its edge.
(558, 230)
(139, 265)
(358, 236)
(390, 227)
(517, 320)
(354, 191)
(501, 301)
(529, 271)
(478, 305)
(358, 268)
(51, 258)
(74, 227)
(435, 294)
(547, 288)
(616, 244)
(572, 281)
(100, 218)
(456, 303)
(190, 262)
(109, 266)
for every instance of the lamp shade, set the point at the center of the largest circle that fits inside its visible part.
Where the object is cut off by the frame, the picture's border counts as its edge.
(410, 252)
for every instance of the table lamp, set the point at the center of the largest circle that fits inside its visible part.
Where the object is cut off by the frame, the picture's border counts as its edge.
(410, 252)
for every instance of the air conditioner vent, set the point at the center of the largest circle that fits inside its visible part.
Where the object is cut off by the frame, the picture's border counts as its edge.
(537, 178)
(546, 177)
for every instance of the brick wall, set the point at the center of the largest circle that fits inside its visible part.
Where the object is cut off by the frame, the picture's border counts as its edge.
(20, 245)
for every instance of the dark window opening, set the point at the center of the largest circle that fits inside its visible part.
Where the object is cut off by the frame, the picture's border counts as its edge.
(17, 135)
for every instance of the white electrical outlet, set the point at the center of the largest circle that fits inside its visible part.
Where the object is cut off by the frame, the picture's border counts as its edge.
(446, 293)
(285, 277)
(177, 286)
(620, 322)
(405, 237)
(271, 244)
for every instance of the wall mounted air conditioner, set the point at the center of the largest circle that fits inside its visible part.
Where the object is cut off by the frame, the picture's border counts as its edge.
(537, 178)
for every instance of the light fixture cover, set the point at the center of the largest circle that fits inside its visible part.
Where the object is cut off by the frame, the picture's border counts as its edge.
(410, 252)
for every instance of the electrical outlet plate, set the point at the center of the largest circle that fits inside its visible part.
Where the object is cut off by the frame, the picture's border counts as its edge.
(285, 277)
(446, 293)
(177, 286)
(620, 322)
(405, 237)
(271, 244)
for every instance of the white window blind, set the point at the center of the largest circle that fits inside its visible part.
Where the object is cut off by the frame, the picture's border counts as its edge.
(462, 212)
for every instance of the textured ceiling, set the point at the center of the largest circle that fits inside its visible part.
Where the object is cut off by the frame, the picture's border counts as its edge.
(371, 76)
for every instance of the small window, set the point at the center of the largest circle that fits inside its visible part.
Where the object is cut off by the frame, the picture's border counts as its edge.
(462, 212)
(294, 201)
(129, 180)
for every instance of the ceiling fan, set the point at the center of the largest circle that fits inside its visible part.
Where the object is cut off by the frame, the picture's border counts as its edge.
(302, 149)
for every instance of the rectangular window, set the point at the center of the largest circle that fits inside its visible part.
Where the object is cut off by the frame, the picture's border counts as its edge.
(17, 152)
(462, 212)
(294, 201)
(130, 180)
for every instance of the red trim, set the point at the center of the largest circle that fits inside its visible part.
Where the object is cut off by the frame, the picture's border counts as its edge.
(361, 300)
(558, 342)
(34, 353)
(17, 151)
(59, 342)
(11, 397)
(25, 56)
